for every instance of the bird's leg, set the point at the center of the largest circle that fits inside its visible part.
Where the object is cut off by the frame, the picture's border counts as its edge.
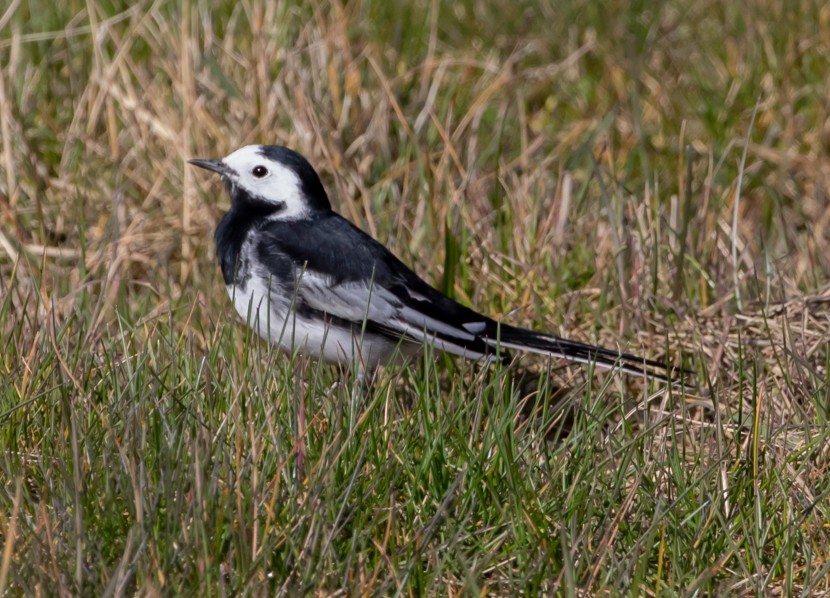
(299, 432)
(364, 375)
(360, 390)
(365, 381)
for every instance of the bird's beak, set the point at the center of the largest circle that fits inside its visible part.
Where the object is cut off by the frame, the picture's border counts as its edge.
(213, 165)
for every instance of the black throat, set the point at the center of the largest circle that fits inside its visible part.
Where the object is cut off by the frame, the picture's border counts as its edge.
(246, 214)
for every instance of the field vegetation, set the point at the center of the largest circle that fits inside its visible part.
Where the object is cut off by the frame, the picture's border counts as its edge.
(652, 176)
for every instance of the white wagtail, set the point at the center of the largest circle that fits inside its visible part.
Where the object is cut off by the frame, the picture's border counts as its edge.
(307, 279)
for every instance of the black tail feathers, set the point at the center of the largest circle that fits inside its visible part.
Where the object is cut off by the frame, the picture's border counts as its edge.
(521, 339)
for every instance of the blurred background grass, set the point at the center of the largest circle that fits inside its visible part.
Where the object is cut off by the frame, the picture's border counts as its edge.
(649, 175)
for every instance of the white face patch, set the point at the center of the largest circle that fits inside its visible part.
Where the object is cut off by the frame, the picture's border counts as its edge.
(268, 180)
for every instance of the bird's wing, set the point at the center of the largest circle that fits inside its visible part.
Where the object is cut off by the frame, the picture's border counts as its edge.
(382, 310)
(344, 273)
(457, 330)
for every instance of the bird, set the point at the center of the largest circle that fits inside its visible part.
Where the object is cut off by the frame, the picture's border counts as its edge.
(308, 280)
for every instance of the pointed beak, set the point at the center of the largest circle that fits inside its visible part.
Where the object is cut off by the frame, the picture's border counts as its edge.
(214, 165)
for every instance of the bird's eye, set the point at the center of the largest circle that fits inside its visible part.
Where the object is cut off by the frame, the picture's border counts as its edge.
(259, 171)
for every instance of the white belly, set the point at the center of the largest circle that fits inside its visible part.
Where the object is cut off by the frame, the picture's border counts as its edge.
(271, 317)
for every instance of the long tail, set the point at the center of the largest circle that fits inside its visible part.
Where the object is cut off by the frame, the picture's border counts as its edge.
(521, 339)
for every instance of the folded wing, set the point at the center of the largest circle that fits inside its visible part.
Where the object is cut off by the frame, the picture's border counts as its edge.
(370, 289)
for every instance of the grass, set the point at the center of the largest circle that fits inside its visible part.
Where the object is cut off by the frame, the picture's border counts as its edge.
(645, 175)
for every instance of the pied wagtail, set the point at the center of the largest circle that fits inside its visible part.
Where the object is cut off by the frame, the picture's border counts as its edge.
(307, 279)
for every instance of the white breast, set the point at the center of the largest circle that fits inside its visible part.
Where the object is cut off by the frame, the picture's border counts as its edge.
(271, 316)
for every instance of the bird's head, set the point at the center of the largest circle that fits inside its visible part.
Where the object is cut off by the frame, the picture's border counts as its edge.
(273, 176)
